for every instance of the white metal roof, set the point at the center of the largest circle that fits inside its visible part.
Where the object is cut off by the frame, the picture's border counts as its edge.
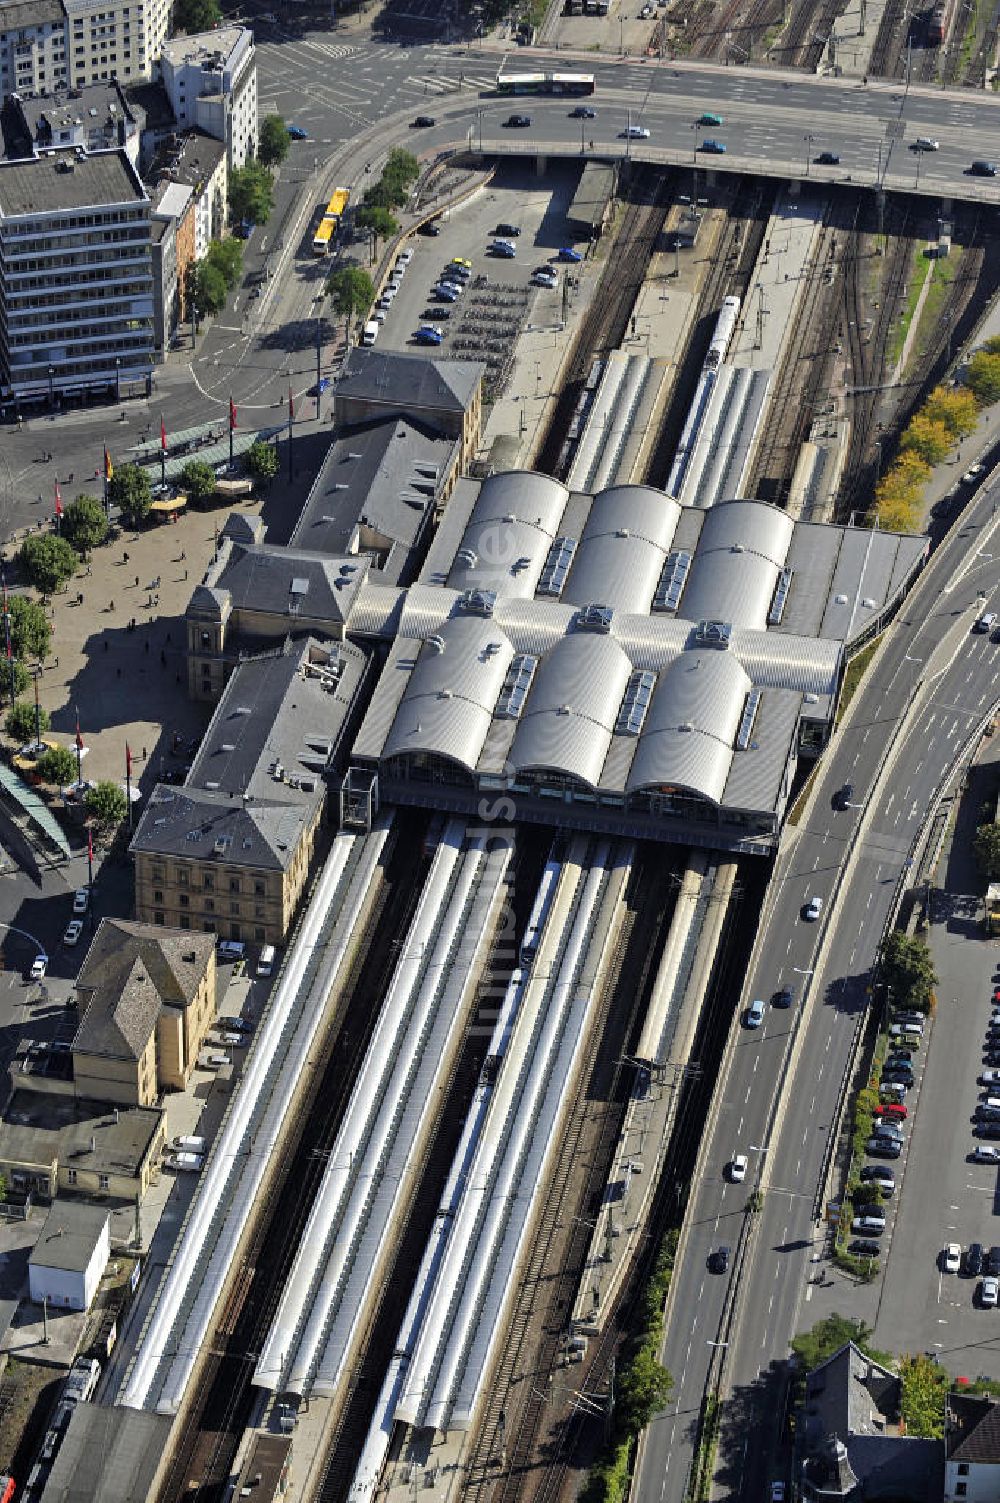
(623, 548)
(570, 714)
(688, 737)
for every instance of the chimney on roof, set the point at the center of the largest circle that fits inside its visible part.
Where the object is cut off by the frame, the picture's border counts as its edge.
(93, 1142)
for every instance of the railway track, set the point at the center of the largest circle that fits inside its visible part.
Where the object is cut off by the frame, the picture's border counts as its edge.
(731, 270)
(804, 39)
(868, 360)
(606, 322)
(201, 1464)
(510, 1461)
(793, 405)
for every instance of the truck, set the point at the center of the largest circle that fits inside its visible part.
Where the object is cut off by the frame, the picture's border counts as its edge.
(370, 332)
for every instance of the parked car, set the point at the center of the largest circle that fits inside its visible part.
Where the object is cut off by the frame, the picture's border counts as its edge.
(972, 1265)
(192, 1144)
(503, 248)
(231, 949)
(880, 1173)
(429, 227)
(992, 1264)
(989, 1292)
(73, 931)
(236, 1024)
(984, 1153)
(567, 253)
(191, 1162)
(891, 1111)
(864, 1247)
(868, 1226)
(81, 900)
(437, 314)
(951, 1258)
(883, 1148)
(987, 1129)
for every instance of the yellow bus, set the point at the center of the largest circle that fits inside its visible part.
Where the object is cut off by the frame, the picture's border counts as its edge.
(330, 223)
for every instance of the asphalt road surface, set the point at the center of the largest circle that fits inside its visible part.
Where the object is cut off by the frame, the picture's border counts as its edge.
(942, 680)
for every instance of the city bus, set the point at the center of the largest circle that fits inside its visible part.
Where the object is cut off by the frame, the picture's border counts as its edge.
(330, 223)
(574, 84)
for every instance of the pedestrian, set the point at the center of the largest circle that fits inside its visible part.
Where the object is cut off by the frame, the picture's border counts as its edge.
(185, 574)
(145, 754)
(56, 663)
(183, 555)
(124, 558)
(79, 598)
(70, 473)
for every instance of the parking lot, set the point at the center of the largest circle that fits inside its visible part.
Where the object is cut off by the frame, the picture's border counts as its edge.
(942, 1194)
(499, 299)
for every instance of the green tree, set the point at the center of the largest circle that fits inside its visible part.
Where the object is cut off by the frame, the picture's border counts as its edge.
(643, 1388)
(378, 219)
(57, 766)
(22, 678)
(351, 292)
(982, 377)
(923, 1389)
(387, 193)
(401, 166)
(198, 479)
(196, 15)
(272, 143)
(262, 461)
(986, 847)
(48, 561)
(227, 257)
(84, 524)
(251, 193)
(20, 722)
(206, 288)
(908, 971)
(129, 489)
(106, 805)
(828, 1336)
(30, 629)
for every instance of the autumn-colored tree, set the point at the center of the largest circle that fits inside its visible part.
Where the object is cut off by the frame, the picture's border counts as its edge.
(928, 438)
(955, 407)
(982, 376)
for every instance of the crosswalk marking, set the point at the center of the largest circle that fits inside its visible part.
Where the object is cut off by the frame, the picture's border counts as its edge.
(433, 83)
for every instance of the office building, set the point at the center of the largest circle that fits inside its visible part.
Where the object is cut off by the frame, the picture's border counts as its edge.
(211, 82)
(96, 118)
(76, 298)
(53, 44)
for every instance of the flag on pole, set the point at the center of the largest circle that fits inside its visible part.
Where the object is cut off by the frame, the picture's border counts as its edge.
(90, 844)
(291, 404)
(79, 738)
(128, 760)
(232, 414)
(6, 618)
(59, 510)
(163, 436)
(109, 468)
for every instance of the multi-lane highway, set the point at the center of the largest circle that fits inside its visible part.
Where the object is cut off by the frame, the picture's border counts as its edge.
(931, 684)
(772, 125)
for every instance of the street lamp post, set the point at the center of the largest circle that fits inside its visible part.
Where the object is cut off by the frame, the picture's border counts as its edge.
(809, 142)
(118, 378)
(52, 377)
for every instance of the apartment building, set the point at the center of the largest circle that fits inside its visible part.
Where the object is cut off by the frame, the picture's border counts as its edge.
(201, 163)
(51, 44)
(173, 237)
(211, 81)
(76, 297)
(96, 118)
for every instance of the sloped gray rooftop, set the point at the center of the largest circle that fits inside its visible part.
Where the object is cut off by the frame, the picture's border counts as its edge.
(413, 382)
(108, 1453)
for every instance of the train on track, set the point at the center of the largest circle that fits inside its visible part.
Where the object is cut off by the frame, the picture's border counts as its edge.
(938, 22)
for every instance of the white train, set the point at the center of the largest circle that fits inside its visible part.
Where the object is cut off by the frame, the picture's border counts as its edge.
(723, 332)
(540, 911)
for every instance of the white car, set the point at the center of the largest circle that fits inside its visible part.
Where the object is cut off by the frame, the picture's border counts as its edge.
(926, 143)
(755, 1013)
(73, 931)
(986, 1153)
(951, 1258)
(990, 1292)
(738, 1168)
(38, 967)
(81, 899)
(812, 909)
(990, 1078)
(636, 133)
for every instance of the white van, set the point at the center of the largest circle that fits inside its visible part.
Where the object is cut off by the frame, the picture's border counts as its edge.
(188, 1145)
(371, 332)
(266, 962)
(189, 1163)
